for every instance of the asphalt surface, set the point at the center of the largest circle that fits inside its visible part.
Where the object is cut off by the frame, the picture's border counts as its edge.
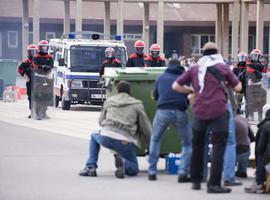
(36, 164)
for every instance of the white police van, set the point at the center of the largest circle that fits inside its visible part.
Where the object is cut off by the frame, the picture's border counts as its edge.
(77, 63)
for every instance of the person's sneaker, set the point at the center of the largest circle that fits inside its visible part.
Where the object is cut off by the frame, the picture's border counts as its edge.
(120, 172)
(88, 171)
(232, 183)
(183, 178)
(196, 185)
(254, 188)
(218, 189)
(241, 174)
(152, 177)
(29, 116)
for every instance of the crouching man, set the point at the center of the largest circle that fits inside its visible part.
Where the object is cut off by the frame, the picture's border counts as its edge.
(124, 125)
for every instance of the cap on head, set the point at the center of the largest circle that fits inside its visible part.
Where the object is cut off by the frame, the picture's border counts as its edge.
(210, 48)
(123, 86)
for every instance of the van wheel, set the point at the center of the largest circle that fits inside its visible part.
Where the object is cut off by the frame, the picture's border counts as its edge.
(65, 104)
(56, 101)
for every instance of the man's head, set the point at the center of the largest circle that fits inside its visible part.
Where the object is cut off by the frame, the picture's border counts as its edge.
(210, 48)
(139, 46)
(154, 50)
(123, 86)
(109, 53)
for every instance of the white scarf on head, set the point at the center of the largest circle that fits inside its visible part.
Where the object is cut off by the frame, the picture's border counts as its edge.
(204, 63)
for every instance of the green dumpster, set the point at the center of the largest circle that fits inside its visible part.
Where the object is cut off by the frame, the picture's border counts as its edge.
(8, 70)
(142, 84)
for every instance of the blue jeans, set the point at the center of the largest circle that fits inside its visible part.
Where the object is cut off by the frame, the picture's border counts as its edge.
(243, 161)
(260, 171)
(162, 119)
(230, 151)
(126, 151)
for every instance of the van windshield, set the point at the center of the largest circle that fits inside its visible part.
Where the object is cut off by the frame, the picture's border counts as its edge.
(90, 58)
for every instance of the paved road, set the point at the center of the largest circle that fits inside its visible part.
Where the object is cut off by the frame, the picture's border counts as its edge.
(38, 164)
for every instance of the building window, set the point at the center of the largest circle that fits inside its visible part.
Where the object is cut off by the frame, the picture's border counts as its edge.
(1, 43)
(132, 36)
(30, 37)
(12, 39)
(49, 35)
(251, 43)
(266, 45)
(198, 41)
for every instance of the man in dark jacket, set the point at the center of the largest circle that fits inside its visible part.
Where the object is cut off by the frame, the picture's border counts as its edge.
(262, 154)
(171, 110)
(124, 125)
(244, 136)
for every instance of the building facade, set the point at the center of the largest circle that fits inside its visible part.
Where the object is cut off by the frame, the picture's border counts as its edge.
(184, 27)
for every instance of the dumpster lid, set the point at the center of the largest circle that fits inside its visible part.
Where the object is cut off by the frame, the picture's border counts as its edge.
(131, 71)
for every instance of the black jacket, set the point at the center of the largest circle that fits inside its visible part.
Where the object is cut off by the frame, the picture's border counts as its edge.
(263, 140)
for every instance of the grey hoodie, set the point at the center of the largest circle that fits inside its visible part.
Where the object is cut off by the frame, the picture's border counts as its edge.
(125, 115)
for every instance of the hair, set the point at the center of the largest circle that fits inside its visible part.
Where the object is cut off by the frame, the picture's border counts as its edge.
(208, 52)
(174, 60)
(123, 86)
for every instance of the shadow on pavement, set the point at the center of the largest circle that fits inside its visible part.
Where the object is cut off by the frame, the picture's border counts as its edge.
(86, 108)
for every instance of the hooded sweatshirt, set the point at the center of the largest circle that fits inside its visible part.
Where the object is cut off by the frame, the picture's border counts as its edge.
(166, 97)
(125, 115)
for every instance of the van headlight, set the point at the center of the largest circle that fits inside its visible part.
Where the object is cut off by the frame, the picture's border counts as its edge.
(76, 84)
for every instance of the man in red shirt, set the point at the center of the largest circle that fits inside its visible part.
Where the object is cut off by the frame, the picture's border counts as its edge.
(209, 114)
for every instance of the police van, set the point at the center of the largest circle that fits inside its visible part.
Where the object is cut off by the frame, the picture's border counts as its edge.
(76, 63)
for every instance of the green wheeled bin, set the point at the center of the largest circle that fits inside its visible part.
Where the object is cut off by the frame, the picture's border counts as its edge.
(142, 84)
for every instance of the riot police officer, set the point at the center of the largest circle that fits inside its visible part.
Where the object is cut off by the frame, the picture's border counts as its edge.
(136, 59)
(110, 60)
(255, 94)
(42, 85)
(154, 59)
(25, 69)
